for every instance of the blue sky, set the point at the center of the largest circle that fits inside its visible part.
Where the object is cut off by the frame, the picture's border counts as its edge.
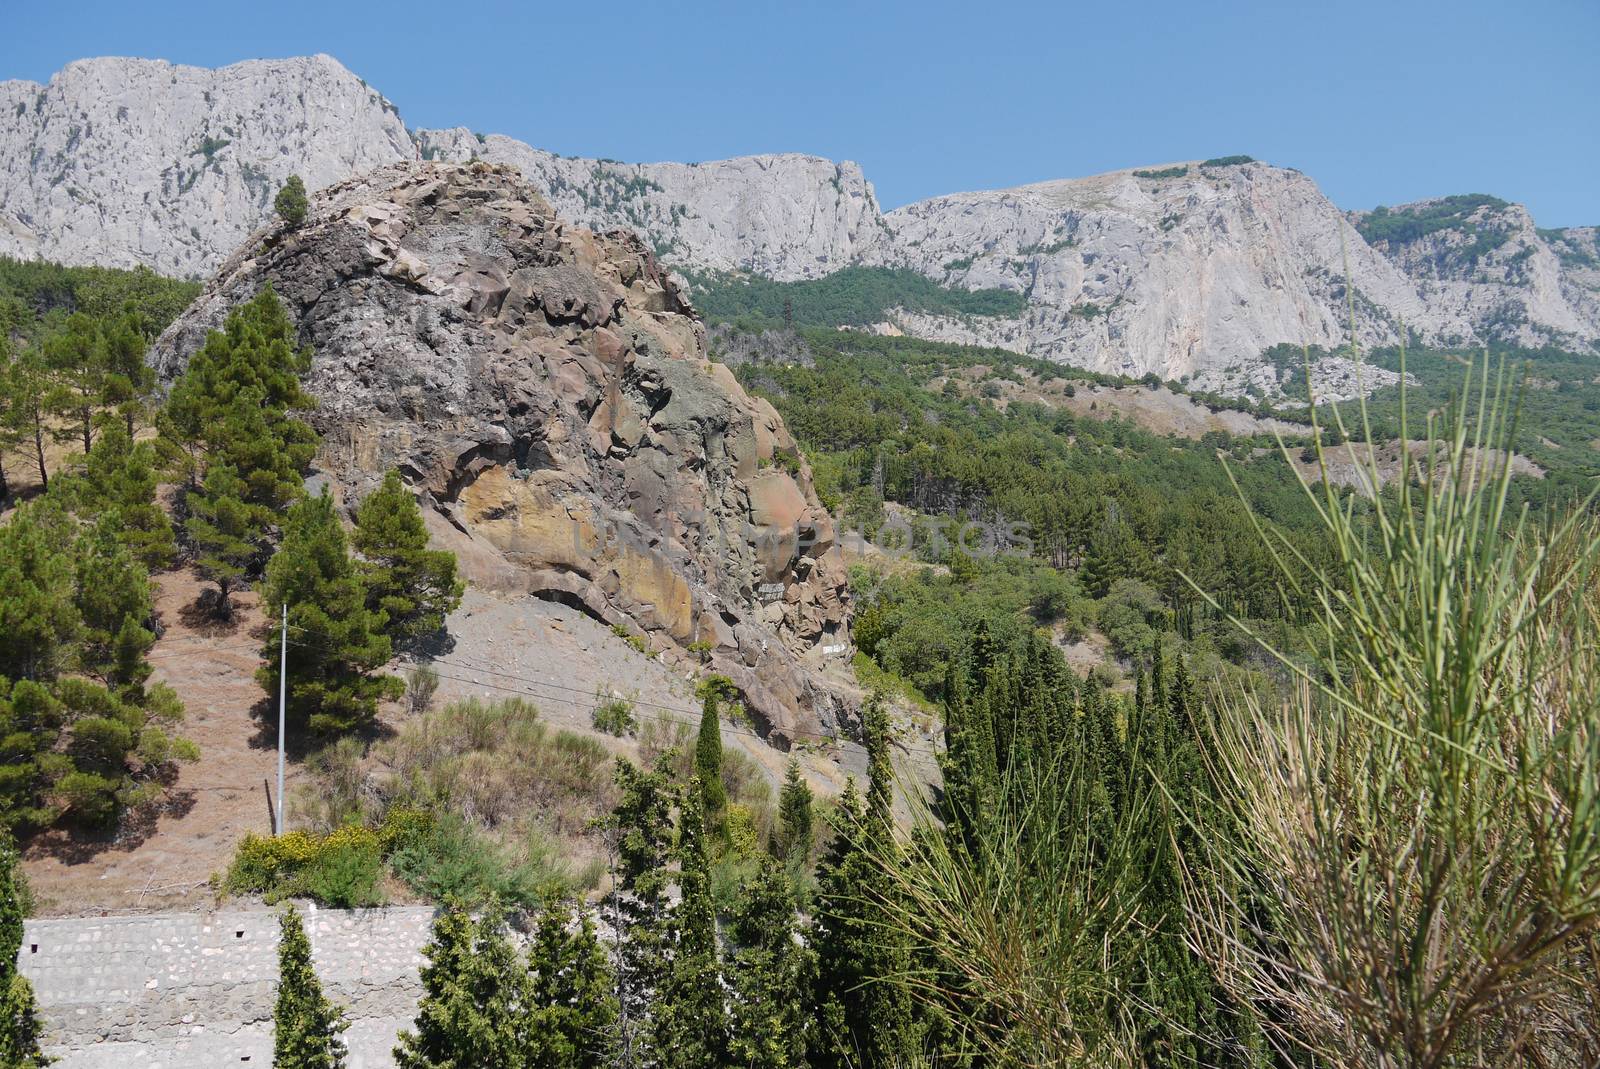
(1380, 102)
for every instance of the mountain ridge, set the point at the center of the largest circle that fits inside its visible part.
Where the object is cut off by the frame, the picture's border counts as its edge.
(1188, 270)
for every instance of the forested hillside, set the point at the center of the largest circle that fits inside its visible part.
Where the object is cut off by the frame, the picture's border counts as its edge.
(1228, 838)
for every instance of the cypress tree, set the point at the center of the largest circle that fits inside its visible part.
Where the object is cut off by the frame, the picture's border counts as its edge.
(571, 1017)
(769, 1026)
(306, 1026)
(641, 826)
(339, 644)
(413, 586)
(474, 995)
(793, 839)
(20, 1028)
(689, 1020)
(864, 1009)
(708, 762)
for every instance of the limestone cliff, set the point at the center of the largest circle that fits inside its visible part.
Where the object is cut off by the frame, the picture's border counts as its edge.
(546, 390)
(130, 161)
(1188, 275)
(1184, 270)
(788, 216)
(1492, 275)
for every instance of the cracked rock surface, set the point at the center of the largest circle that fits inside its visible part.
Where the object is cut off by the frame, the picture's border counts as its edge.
(546, 390)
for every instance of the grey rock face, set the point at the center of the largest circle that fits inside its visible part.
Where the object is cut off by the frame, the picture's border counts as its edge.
(129, 161)
(788, 217)
(1188, 277)
(547, 390)
(1497, 277)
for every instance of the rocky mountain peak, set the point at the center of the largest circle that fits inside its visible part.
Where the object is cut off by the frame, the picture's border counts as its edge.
(133, 161)
(1189, 269)
(546, 390)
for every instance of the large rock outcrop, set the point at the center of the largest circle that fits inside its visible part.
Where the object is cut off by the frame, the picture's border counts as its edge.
(546, 389)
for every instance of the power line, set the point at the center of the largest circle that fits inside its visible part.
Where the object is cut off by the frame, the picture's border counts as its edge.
(571, 702)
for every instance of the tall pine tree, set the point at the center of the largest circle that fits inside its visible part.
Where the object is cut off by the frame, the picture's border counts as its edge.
(413, 586)
(338, 644)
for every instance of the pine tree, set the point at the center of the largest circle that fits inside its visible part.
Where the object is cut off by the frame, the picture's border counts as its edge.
(129, 379)
(114, 603)
(38, 620)
(291, 203)
(119, 480)
(225, 531)
(769, 1026)
(10, 416)
(20, 1028)
(414, 587)
(708, 763)
(794, 837)
(78, 363)
(28, 389)
(475, 991)
(688, 1018)
(233, 404)
(306, 1026)
(334, 683)
(30, 723)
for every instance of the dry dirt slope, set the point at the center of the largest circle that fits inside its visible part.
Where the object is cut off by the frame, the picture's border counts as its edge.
(546, 652)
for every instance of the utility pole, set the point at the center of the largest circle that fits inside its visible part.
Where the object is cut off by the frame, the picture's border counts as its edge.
(283, 680)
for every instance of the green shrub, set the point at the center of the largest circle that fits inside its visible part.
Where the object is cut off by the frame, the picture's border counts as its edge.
(1165, 172)
(1227, 161)
(614, 716)
(344, 876)
(455, 863)
(338, 869)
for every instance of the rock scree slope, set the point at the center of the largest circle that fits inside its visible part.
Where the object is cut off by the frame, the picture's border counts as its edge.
(546, 391)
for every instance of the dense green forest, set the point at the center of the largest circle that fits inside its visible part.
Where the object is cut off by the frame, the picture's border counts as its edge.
(1077, 522)
(853, 297)
(1338, 805)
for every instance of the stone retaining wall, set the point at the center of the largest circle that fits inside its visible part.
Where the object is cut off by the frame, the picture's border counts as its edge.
(196, 990)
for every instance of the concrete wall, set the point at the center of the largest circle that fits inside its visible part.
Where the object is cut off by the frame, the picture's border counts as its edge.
(196, 990)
